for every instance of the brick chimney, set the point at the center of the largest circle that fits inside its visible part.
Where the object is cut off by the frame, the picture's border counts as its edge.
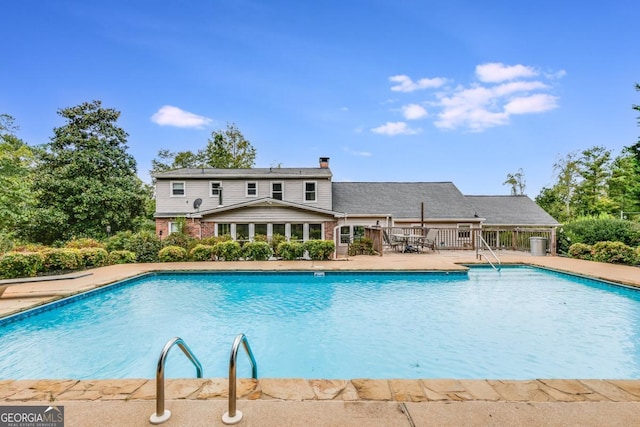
(324, 162)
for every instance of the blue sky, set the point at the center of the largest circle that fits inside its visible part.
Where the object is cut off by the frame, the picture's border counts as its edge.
(390, 90)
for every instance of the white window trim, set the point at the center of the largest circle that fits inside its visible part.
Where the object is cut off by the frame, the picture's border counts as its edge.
(304, 191)
(211, 188)
(281, 185)
(246, 189)
(184, 187)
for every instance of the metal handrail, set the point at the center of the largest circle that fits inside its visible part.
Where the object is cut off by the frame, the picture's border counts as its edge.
(161, 415)
(233, 416)
(479, 254)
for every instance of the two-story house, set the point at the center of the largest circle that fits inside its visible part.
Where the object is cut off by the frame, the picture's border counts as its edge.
(304, 203)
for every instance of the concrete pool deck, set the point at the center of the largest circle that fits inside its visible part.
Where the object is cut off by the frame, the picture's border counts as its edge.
(355, 402)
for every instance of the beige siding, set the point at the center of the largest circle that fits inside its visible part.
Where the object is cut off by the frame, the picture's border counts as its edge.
(234, 192)
(268, 214)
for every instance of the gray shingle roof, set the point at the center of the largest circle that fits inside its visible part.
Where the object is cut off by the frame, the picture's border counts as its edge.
(510, 210)
(254, 173)
(442, 200)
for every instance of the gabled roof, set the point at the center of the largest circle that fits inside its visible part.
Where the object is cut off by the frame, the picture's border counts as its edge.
(265, 201)
(402, 200)
(251, 173)
(511, 210)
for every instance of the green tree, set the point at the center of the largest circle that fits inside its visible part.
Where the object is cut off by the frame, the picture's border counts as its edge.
(16, 159)
(594, 168)
(226, 149)
(624, 184)
(85, 181)
(517, 182)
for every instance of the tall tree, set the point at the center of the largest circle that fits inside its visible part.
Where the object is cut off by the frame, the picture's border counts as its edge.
(16, 158)
(86, 182)
(594, 167)
(517, 182)
(226, 149)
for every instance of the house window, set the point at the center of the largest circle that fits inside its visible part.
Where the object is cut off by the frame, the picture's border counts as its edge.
(174, 227)
(215, 189)
(224, 229)
(242, 231)
(277, 190)
(278, 229)
(260, 232)
(178, 189)
(297, 232)
(310, 191)
(252, 189)
(464, 231)
(315, 231)
(345, 234)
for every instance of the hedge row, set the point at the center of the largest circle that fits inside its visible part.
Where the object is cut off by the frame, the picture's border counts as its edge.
(30, 261)
(611, 252)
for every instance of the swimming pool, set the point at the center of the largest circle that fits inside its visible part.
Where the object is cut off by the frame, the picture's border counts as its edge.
(519, 323)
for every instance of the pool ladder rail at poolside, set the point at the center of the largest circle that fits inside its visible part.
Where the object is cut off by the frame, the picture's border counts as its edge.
(233, 416)
(161, 415)
(479, 255)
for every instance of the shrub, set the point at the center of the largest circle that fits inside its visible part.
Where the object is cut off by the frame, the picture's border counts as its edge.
(20, 264)
(229, 250)
(319, 249)
(30, 247)
(257, 251)
(172, 254)
(580, 251)
(122, 257)
(614, 252)
(118, 241)
(62, 259)
(362, 246)
(145, 245)
(179, 239)
(291, 250)
(202, 253)
(276, 239)
(594, 230)
(94, 256)
(6, 243)
(213, 240)
(84, 242)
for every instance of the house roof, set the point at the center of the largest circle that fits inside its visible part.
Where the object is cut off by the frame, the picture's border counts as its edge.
(251, 173)
(511, 210)
(402, 200)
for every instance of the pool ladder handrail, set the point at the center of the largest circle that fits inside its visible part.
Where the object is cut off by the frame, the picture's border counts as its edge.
(161, 415)
(233, 416)
(479, 254)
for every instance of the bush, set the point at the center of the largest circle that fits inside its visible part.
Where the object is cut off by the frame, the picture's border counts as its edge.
(319, 249)
(276, 239)
(145, 245)
(62, 259)
(594, 230)
(213, 240)
(94, 256)
(580, 251)
(256, 251)
(83, 243)
(202, 253)
(172, 254)
(179, 239)
(122, 257)
(614, 252)
(362, 246)
(229, 250)
(6, 243)
(118, 241)
(20, 264)
(291, 250)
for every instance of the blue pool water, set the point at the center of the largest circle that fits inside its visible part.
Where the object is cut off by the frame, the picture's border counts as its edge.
(517, 324)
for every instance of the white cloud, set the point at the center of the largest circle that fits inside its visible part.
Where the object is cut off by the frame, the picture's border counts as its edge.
(414, 112)
(169, 115)
(357, 153)
(395, 128)
(531, 104)
(405, 84)
(498, 72)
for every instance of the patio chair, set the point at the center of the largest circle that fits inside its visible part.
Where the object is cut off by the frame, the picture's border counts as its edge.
(429, 240)
(392, 241)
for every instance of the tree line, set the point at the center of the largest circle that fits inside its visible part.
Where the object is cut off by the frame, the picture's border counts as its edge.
(84, 183)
